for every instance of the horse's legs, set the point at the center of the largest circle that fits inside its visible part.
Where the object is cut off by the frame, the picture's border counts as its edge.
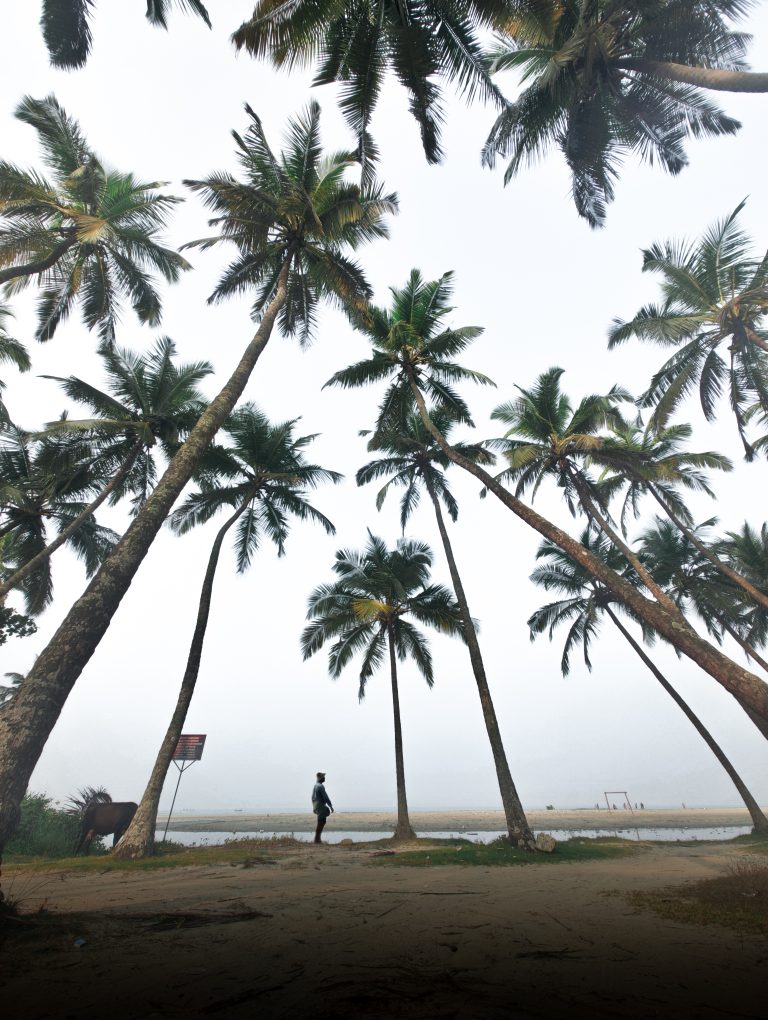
(87, 840)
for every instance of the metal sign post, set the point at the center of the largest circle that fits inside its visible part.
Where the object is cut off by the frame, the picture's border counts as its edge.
(188, 750)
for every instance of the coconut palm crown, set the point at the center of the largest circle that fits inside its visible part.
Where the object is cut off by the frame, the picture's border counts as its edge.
(297, 209)
(602, 80)
(358, 43)
(412, 342)
(714, 303)
(89, 234)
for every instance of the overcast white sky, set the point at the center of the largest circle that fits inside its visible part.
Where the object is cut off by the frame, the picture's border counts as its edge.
(545, 288)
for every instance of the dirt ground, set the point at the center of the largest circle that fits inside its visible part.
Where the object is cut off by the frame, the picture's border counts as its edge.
(327, 932)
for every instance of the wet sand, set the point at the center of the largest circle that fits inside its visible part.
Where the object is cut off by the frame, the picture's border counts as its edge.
(468, 821)
(331, 932)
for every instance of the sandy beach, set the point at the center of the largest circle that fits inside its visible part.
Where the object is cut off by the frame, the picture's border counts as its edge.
(336, 932)
(467, 821)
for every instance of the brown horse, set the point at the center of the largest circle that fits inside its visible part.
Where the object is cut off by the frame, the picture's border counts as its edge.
(101, 819)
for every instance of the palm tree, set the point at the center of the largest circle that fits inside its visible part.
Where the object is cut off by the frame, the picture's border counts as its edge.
(411, 459)
(547, 438)
(715, 297)
(604, 79)
(67, 30)
(10, 351)
(42, 485)
(152, 402)
(653, 461)
(425, 368)
(263, 478)
(364, 611)
(292, 220)
(15, 680)
(357, 43)
(584, 603)
(92, 234)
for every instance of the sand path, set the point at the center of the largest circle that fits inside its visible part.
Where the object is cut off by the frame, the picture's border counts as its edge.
(329, 932)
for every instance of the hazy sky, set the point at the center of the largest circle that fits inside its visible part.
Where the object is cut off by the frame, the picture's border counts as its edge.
(545, 289)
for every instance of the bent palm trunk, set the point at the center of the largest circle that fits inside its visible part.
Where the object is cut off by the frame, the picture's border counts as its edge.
(139, 840)
(711, 78)
(27, 723)
(404, 829)
(518, 829)
(750, 692)
(31, 268)
(759, 821)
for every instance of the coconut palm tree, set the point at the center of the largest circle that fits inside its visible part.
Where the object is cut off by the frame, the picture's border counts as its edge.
(364, 611)
(423, 369)
(357, 44)
(715, 299)
(90, 234)
(653, 461)
(13, 352)
(412, 459)
(584, 604)
(603, 79)
(293, 220)
(152, 402)
(45, 485)
(66, 26)
(263, 478)
(547, 437)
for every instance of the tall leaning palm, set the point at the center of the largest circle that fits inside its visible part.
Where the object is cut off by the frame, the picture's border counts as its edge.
(606, 78)
(410, 458)
(262, 478)
(364, 611)
(583, 606)
(713, 311)
(419, 371)
(293, 219)
(152, 403)
(88, 234)
(357, 44)
(66, 26)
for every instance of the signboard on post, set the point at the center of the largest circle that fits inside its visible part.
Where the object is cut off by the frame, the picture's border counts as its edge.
(188, 750)
(190, 747)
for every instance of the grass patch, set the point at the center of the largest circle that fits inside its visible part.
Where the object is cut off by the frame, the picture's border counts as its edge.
(736, 899)
(499, 852)
(167, 855)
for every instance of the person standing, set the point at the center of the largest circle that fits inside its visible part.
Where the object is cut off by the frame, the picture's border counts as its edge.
(321, 805)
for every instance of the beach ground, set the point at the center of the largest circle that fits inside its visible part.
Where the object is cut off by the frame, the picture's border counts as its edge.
(467, 821)
(342, 932)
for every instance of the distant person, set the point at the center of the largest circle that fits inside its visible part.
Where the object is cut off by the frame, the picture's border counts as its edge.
(321, 805)
(642, 806)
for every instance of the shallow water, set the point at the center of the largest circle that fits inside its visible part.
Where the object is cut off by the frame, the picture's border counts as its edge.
(337, 835)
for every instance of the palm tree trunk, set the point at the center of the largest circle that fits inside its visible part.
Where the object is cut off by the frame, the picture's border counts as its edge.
(139, 839)
(31, 268)
(27, 723)
(518, 829)
(745, 687)
(404, 829)
(703, 77)
(707, 553)
(759, 821)
(15, 579)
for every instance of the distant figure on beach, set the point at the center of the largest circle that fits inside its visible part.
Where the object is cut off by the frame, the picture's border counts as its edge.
(321, 805)
(642, 806)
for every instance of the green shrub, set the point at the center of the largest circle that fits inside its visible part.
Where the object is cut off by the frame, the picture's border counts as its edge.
(46, 831)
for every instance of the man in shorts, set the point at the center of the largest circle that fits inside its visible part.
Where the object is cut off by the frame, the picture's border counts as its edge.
(321, 805)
